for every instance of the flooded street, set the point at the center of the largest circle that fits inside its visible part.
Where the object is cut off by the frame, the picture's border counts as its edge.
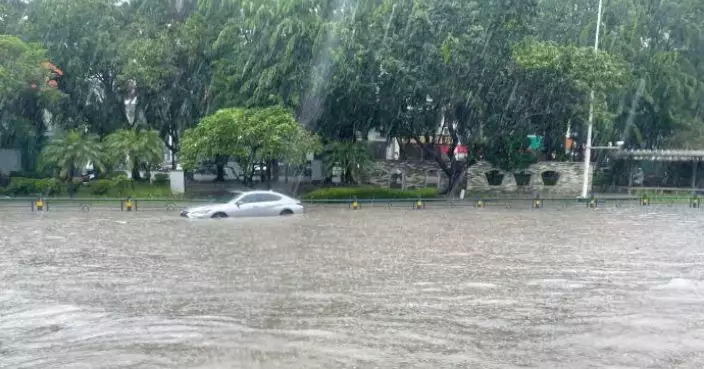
(376, 288)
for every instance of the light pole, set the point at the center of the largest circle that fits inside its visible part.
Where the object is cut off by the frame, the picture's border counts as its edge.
(588, 146)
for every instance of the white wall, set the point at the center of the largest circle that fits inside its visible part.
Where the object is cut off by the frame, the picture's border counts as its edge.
(178, 182)
(10, 160)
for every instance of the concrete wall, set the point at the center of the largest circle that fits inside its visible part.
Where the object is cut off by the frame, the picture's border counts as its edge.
(177, 181)
(405, 174)
(10, 160)
(568, 183)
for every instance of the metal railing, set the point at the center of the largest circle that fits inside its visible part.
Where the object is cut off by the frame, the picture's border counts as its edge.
(166, 204)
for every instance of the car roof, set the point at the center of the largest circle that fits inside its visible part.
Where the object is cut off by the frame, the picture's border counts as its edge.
(248, 192)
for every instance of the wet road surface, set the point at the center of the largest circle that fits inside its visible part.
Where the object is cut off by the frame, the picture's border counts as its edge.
(376, 288)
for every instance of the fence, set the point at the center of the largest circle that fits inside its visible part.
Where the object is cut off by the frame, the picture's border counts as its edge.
(86, 205)
(129, 204)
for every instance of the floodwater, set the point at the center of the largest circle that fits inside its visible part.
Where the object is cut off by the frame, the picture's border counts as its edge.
(375, 288)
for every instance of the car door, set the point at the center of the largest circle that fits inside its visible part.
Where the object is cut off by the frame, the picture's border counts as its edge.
(268, 204)
(245, 206)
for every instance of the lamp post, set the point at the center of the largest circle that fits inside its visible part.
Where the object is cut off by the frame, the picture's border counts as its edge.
(588, 146)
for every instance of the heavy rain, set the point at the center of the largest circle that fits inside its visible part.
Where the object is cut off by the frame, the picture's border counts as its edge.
(451, 184)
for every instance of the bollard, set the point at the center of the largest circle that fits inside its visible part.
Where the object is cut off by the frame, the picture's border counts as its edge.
(593, 203)
(537, 202)
(354, 205)
(419, 204)
(644, 200)
(40, 204)
(481, 203)
(128, 205)
(694, 202)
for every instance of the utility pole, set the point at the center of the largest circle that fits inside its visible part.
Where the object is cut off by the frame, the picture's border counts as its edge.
(588, 144)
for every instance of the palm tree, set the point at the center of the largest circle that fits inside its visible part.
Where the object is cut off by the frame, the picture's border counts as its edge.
(72, 151)
(138, 148)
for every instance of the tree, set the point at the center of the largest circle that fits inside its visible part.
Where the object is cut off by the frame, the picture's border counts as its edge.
(82, 36)
(70, 152)
(166, 61)
(352, 157)
(25, 96)
(440, 68)
(11, 13)
(477, 73)
(248, 136)
(20, 65)
(266, 52)
(138, 149)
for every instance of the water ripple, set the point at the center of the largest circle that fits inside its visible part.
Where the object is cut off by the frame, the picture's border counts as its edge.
(378, 288)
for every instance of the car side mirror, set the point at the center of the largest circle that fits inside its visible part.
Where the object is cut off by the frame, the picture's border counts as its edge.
(238, 204)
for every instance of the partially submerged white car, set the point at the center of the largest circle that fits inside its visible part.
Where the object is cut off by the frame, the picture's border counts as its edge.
(246, 204)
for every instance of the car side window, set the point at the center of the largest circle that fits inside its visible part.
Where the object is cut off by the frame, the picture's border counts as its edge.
(248, 199)
(267, 197)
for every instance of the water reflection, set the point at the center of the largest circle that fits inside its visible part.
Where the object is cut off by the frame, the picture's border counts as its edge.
(377, 288)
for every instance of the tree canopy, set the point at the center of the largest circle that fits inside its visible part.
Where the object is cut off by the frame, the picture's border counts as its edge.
(247, 136)
(479, 73)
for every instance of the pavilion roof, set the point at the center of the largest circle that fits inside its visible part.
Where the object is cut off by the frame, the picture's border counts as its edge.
(661, 155)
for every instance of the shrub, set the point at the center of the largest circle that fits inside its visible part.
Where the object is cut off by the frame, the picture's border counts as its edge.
(341, 193)
(25, 174)
(114, 175)
(101, 187)
(161, 179)
(121, 185)
(20, 186)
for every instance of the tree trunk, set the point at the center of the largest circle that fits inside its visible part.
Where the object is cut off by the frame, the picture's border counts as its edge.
(219, 172)
(347, 176)
(135, 173)
(147, 173)
(220, 163)
(268, 173)
(275, 170)
(69, 185)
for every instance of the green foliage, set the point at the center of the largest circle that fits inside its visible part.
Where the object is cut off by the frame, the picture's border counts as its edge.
(346, 193)
(20, 65)
(248, 136)
(115, 175)
(31, 187)
(70, 152)
(26, 174)
(510, 153)
(119, 187)
(352, 157)
(488, 71)
(100, 187)
(134, 148)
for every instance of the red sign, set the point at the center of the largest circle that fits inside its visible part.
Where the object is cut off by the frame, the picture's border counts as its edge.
(460, 149)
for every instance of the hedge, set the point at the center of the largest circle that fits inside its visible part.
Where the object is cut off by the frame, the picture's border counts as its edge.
(119, 186)
(341, 193)
(20, 186)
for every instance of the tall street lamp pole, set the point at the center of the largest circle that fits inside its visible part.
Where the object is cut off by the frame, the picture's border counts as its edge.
(588, 146)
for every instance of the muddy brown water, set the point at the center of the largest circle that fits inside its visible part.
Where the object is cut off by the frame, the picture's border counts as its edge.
(375, 288)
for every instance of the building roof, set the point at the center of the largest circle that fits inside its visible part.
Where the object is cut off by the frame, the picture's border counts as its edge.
(661, 155)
